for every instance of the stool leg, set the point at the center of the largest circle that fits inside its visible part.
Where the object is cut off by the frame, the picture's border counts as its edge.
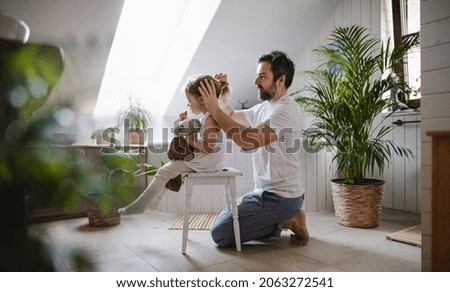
(231, 189)
(227, 198)
(187, 212)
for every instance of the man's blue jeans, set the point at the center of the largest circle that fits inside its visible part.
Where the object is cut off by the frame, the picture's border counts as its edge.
(261, 215)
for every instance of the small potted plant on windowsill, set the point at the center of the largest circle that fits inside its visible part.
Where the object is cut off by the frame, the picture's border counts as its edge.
(136, 120)
(105, 135)
(346, 96)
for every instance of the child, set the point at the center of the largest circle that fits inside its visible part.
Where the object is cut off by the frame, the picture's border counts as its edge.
(209, 146)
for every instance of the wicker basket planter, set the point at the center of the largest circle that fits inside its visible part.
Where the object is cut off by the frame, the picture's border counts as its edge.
(96, 217)
(358, 205)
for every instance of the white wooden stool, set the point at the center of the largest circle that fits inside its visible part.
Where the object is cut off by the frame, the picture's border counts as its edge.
(226, 177)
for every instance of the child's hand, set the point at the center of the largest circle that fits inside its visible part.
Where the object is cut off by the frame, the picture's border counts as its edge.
(182, 116)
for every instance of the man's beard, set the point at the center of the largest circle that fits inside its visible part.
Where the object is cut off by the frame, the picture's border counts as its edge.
(266, 94)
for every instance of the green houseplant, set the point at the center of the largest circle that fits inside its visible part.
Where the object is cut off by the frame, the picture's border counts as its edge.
(106, 135)
(32, 170)
(346, 95)
(112, 185)
(136, 119)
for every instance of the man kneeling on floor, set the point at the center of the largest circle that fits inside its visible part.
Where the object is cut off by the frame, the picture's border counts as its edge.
(272, 131)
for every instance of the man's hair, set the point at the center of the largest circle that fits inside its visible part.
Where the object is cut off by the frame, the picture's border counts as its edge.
(281, 65)
(193, 83)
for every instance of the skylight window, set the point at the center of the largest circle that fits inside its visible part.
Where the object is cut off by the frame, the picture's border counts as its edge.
(152, 48)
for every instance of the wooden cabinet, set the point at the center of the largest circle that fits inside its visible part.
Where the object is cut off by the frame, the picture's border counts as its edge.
(440, 202)
(45, 210)
(41, 206)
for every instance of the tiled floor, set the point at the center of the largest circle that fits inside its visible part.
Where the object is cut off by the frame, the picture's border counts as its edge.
(144, 243)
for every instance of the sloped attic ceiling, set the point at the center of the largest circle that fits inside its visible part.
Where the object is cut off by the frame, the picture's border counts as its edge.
(238, 34)
(241, 31)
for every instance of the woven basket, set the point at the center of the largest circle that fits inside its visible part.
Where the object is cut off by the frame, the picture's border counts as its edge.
(358, 205)
(97, 218)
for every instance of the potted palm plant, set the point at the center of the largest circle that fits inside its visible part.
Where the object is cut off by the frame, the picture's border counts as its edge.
(136, 120)
(346, 95)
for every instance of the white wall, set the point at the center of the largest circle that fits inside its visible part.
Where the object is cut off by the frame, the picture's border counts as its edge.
(402, 176)
(435, 48)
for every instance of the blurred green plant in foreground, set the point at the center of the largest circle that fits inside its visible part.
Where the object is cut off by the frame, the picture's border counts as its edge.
(31, 169)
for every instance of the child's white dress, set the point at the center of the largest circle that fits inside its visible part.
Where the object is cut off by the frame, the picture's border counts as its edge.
(207, 162)
(202, 162)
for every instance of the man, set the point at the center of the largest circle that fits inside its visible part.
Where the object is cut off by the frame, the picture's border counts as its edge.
(272, 130)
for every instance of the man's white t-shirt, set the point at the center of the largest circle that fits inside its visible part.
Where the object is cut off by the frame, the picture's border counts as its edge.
(276, 166)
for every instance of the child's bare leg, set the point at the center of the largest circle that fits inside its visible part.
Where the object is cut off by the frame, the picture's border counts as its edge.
(297, 224)
(156, 187)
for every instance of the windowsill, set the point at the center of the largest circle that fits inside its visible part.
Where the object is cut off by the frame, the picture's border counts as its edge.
(93, 145)
(409, 112)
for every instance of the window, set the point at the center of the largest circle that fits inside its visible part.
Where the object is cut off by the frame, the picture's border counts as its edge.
(152, 48)
(406, 20)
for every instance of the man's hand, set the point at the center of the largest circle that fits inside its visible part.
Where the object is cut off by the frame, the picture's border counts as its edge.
(225, 89)
(209, 97)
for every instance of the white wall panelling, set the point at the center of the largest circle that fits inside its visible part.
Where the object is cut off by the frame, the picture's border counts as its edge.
(435, 64)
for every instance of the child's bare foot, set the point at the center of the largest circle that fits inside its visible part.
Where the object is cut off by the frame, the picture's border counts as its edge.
(297, 224)
(133, 208)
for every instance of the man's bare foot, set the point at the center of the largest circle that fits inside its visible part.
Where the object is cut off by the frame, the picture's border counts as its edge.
(297, 224)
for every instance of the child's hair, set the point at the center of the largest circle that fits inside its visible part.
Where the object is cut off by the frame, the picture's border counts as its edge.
(193, 84)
